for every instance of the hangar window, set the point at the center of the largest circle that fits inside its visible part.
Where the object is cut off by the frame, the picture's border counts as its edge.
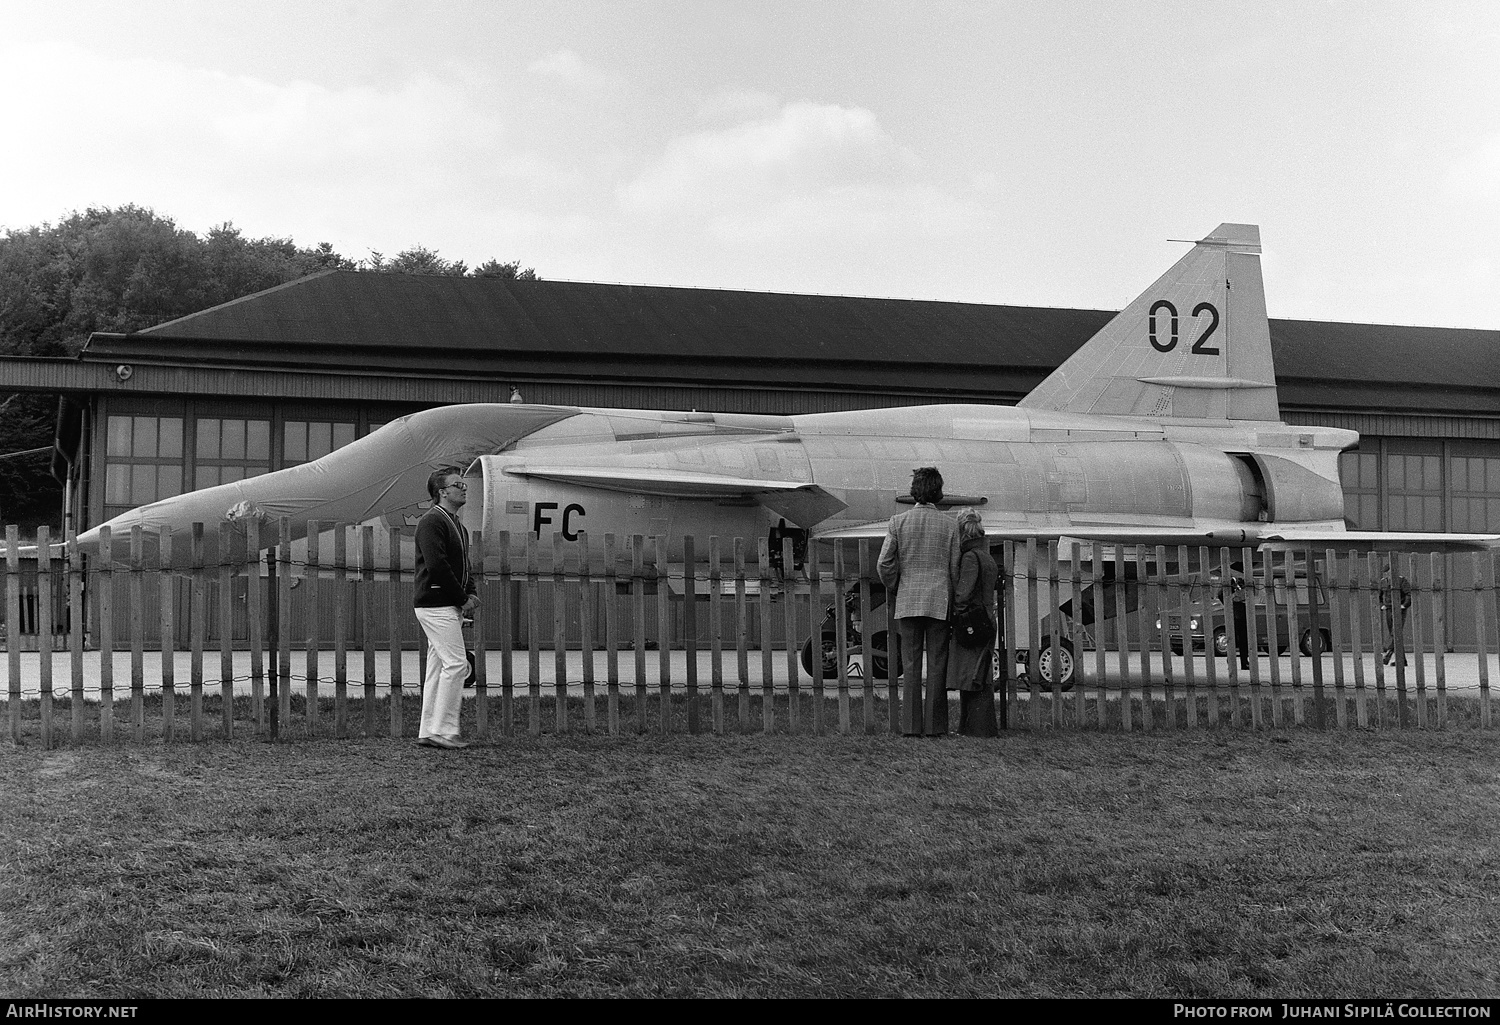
(143, 461)
(1474, 476)
(305, 440)
(231, 449)
(1414, 484)
(1360, 474)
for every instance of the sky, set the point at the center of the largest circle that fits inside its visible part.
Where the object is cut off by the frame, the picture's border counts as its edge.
(1035, 153)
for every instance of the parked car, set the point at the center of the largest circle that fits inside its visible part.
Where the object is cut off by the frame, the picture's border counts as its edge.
(1201, 616)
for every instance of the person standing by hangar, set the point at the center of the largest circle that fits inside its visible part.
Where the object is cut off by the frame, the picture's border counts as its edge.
(918, 564)
(445, 592)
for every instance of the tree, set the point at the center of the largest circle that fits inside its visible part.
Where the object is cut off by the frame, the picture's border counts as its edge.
(510, 271)
(125, 269)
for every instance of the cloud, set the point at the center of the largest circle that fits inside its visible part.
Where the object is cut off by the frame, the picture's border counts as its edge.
(567, 66)
(204, 146)
(1476, 175)
(807, 171)
(737, 105)
(804, 150)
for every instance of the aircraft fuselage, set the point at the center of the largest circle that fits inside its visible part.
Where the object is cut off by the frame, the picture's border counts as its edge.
(1028, 472)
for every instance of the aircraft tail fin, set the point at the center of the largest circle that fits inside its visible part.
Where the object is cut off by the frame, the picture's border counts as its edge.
(1196, 344)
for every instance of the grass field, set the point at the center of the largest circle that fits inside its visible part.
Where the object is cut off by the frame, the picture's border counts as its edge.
(1206, 864)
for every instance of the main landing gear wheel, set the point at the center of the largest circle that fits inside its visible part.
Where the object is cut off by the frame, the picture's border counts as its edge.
(1221, 642)
(1305, 645)
(879, 661)
(1064, 667)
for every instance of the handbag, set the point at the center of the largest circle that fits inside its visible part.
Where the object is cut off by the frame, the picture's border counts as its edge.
(973, 628)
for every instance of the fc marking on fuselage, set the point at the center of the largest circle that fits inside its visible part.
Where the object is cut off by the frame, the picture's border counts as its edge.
(539, 516)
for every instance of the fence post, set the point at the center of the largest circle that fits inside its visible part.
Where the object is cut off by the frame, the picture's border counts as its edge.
(44, 628)
(1184, 603)
(254, 622)
(1096, 581)
(1400, 566)
(789, 617)
(506, 613)
(313, 646)
(815, 635)
(104, 580)
(1122, 639)
(611, 638)
(741, 637)
(586, 615)
(340, 629)
(1255, 587)
(394, 611)
(1294, 637)
(1480, 631)
(1338, 636)
(1211, 672)
(767, 686)
(226, 633)
(841, 634)
(1008, 652)
(559, 634)
(273, 640)
(137, 641)
(1376, 615)
(284, 619)
(196, 630)
(166, 607)
(867, 640)
(1357, 603)
(663, 630)
(1231, 634)
(1075, 637)
(477, 624)
(715, 635)
(13, 622)
(75, 609)
(1143, 629)
(1315, 639)
(1484, 681)
(533, 652)
(1034, 651)
(1054, 613)
(638, 594)
(1439, 633)
(1425, 596)
(1171, 598)
(690, 630)
(367, 621)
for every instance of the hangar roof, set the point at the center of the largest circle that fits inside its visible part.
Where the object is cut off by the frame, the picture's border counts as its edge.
(435, 324)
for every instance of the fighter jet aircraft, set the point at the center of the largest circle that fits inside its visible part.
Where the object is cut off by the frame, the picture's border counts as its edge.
(1164, 428)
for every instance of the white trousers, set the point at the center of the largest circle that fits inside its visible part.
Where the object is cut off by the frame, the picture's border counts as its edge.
(447, 668)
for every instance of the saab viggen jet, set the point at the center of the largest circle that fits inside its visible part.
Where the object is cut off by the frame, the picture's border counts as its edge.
(1163, 428)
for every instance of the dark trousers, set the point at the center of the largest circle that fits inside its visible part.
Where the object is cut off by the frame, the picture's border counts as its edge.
(976, 709)
(1241, 645)
(923, 712)
(1395, 626)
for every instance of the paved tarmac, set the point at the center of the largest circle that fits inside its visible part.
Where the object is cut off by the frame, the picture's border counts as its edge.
(1460, 672)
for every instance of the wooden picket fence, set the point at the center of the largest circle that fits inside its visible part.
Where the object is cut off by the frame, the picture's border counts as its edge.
(739, 610)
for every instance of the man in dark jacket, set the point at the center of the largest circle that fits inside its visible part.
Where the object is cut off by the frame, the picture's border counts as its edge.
(445, 593)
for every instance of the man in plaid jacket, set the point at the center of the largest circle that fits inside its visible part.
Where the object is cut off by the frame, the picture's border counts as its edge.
(918, 566)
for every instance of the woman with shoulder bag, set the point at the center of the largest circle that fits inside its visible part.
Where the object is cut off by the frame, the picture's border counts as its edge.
(970, 660)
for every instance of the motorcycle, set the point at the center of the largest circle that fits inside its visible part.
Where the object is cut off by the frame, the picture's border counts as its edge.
(857, 633)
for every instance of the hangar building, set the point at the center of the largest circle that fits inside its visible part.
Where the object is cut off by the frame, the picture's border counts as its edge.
(288, 374)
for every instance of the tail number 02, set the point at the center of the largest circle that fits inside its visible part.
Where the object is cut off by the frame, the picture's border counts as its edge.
(1200, 347)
